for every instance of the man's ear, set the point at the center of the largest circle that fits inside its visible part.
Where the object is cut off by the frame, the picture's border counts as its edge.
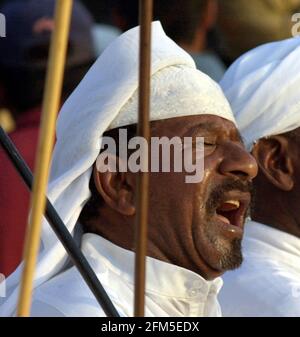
(116, 188)
(275, 162)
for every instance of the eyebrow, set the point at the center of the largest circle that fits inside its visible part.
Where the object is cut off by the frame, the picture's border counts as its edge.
(211, 126)
(207, 126)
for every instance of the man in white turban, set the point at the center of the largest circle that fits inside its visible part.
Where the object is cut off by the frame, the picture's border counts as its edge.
(263, 89)
(195, 229)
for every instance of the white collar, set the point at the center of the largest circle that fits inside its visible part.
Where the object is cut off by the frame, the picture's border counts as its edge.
(162, 278)
(272, 241)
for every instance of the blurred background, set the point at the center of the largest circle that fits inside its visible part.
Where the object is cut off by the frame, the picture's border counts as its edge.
(214, 32)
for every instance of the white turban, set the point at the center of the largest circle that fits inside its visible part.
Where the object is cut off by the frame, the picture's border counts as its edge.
(263, 88)
(107, 98)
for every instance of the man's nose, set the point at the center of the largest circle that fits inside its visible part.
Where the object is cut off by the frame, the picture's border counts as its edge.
(238, 162)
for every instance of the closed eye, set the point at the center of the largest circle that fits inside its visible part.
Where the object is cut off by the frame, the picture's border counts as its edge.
(209, 147)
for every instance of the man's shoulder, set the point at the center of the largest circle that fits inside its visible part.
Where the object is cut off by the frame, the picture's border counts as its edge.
(68, 294)
(261, 287)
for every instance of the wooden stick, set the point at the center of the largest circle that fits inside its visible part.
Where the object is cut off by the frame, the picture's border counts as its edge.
(61, 230)
(143, 177)
(51, 102)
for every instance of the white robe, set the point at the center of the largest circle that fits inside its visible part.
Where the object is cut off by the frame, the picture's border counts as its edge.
(171, 290)
(268, 282)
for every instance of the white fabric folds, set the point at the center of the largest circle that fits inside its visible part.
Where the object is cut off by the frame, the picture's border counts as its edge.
(171, 290)
(268, 282)
(262, 87)
(106, 98)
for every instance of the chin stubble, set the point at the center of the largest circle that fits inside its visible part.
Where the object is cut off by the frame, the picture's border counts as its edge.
(232, 257)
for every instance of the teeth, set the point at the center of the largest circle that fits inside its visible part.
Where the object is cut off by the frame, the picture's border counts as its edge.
(229, 205)
(236, 203)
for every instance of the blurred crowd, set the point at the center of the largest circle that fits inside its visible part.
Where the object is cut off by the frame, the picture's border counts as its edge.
(214, 32)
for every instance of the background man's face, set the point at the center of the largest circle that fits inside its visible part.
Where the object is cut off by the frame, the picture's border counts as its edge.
(278, 182)
(199, 226)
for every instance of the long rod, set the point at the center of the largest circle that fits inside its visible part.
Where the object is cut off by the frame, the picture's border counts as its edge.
(60, 230)
(51, 101)
(145, 18)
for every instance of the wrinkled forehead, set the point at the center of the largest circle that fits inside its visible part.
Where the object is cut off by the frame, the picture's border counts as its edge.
(198, 125)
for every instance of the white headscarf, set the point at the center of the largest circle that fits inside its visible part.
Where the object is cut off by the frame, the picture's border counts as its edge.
(107, 98)
(262, 87)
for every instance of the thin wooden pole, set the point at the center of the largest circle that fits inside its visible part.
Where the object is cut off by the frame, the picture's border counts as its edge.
(143, 177)
(51, 102)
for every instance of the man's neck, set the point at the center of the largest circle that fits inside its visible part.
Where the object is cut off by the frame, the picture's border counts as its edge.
(278, 216)
(197, 45)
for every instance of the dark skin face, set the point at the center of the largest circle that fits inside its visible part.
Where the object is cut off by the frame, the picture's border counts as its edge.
(277, 186)
(197, 226)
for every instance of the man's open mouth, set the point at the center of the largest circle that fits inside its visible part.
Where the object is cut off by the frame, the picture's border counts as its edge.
(233, 208)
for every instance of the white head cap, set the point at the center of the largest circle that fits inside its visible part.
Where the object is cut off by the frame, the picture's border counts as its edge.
(262, 87)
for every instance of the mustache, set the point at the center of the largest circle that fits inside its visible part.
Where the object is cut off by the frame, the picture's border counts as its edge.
(217, 193)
